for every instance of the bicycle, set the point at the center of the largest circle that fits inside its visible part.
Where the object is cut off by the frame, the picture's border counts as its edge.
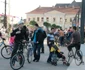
(5, 50)
(76, 55)
(29, 51)
(18, 60)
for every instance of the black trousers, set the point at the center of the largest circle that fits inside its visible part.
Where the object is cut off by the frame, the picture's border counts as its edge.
(16, 47)
(77, 46)
(42, 48)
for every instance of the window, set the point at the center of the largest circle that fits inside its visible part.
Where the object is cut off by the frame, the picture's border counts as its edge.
(28, 19)
(54, 19)
(47, 19)
(60, 19)
(33, 18)
(37, 18)
(70, 19)
(65, 20)
(42, 19)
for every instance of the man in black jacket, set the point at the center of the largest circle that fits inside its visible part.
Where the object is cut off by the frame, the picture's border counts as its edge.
(20, 36)
(37, 39)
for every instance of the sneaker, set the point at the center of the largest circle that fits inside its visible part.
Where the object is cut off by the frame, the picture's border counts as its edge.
(34, 60)
(37, 60)
(48, 61)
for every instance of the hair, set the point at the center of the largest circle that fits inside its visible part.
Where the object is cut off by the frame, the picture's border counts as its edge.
(52, 28)
(74, 27)
(36, 25)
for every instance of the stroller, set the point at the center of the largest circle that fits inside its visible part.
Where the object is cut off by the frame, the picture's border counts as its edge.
(57, 55)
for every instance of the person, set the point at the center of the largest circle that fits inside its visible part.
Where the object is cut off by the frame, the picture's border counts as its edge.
(75, 41)
(20, 36)
(69, 34)
(44, 36)
(0, 34)
(50, 42)
(61, 37)
(37, 40)
(56, 50)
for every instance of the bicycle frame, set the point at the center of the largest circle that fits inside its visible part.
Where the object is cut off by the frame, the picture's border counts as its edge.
(2, 43)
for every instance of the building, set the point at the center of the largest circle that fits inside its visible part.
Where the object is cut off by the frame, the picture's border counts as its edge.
(60, 14)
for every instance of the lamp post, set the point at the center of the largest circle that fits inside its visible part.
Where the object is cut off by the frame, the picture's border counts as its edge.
(5, 17)
(82, 21)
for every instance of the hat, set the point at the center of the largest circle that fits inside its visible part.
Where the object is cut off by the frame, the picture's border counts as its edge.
(21, 22)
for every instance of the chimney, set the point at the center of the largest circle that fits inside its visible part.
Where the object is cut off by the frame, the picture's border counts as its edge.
(73, 6)
(53, 6)
(59, 7)
(66, 6)
(39, 6)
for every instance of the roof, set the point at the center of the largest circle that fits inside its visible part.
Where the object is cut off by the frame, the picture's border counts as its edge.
(42, 10)
(62, 5)
(74, 3)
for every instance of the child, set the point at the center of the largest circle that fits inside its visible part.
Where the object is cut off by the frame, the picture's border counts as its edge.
(11, 41)
(59, 54)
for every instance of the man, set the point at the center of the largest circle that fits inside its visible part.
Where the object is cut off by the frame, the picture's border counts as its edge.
(61, 37)
(20, 36)
(37, 39)
(50, 42)
(75, 41)
(44, 36)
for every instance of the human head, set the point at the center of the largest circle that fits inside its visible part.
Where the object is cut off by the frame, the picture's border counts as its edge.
(53, 30)
(74, 28)
(36, 26)
(20, 25)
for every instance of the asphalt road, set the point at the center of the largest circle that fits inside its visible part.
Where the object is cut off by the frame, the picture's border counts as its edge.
(41, 65)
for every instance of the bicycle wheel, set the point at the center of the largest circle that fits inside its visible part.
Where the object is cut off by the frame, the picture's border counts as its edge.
(5, 52)
(78, 57)
(29, 55)
(17, 61)
(70, 56)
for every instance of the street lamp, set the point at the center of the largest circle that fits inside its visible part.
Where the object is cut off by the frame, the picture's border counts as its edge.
(5, 17)
(82, 21)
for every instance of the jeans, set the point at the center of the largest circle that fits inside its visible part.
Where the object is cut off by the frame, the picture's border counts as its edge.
(37, 48)
(42, 48)
(61, 40)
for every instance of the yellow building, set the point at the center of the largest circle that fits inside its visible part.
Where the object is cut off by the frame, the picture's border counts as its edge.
(59, 15)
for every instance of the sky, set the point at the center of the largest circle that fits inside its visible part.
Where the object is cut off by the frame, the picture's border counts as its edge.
(20, 7)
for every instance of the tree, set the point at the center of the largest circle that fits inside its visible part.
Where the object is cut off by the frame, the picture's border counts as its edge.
(33, 22)
(47, 25)
(56, 26)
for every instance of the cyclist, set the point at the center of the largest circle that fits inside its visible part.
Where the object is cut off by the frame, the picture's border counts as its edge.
(20, 36)
(75, 41)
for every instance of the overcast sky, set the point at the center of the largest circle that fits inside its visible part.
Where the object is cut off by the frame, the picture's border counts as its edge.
(20, 7)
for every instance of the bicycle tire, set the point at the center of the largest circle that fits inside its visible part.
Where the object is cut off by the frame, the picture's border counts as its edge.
(16, 58)
(70, 56)
(77, 57)
(5, 52)
(29, 55)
